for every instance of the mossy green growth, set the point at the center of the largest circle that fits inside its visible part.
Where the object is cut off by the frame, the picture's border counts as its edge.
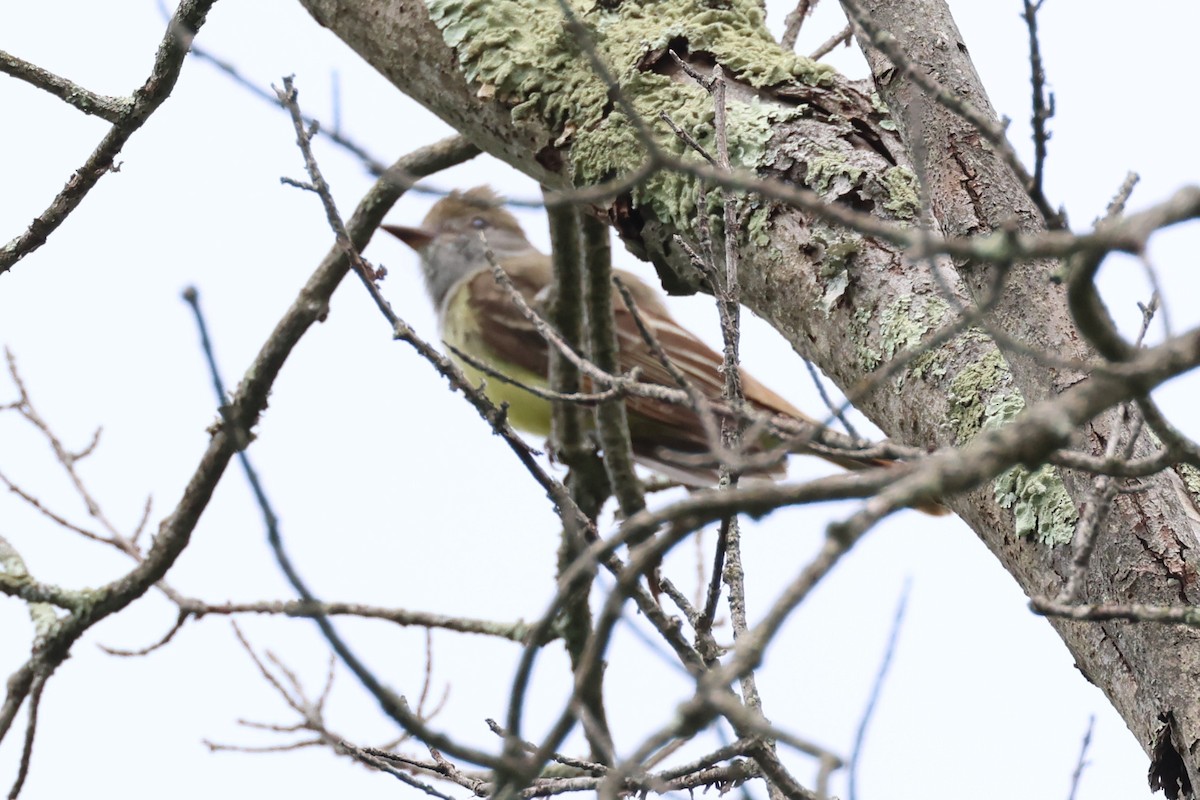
(903, 323)
(860, 333)
(930, 364)
(612, 148)
(840, 247)
(887, 123)
(758, 227)
(903, 191)
(524, 51)
(1191, 480)
(825, 170)
(981, 398)
(837, 247)
(733, 31)
(978, 390)
(1041, 507)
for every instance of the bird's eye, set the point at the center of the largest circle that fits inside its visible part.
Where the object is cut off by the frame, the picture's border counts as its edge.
(478, 223)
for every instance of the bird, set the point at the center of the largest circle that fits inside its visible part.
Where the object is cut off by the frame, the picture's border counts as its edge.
(478, 317)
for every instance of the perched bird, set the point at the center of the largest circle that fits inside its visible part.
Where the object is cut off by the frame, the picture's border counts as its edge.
(478, 317)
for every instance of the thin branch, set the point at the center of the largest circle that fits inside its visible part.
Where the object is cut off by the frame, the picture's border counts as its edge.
(1081, 762)
(109, 109)
(617, 390)
(31, 723)
(512, 631)
(841, 37)
(1043, 102)
(691, 396)
(860, 734)
(566, 315)
(67, 460)
(1129, 612)
(309, 307)
(838, 411)
(794, 21)
(168, 63)
(704, 624)
(180, 620)
(1116, 206)
(1121, 441)
(612, 423)
(587, 481)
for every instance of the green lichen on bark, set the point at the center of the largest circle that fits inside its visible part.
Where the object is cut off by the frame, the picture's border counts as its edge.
(758, 226)
(887, 123)
(523, 51)
(831, 171)
(860, 333)
(612, 149)
(903, 192)
(982, 397)
(1191, 480)
(903, 324)
(733, 31)
(972, 388)
(1041, 507)
(834, 250)
(906, 321)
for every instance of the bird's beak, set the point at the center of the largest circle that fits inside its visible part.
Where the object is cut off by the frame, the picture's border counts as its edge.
(416, 238)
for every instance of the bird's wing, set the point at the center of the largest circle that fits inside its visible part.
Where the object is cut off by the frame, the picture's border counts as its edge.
(511, 338)
(698, 362)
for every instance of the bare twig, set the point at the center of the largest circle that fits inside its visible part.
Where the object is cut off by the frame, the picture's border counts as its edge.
(838, 411)
(587, 480)
(612, 423)
(1116, 206)
(691, 396)
(617, 390)
(188, 18)
(860, 734)
(1106, 612)
(794, 22)
(31, 724)
(1082, 761)
(109, 109)
(841, 37)
(1043, 102)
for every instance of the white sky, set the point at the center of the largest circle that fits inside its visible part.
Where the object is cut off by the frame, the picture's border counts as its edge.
(367, 457)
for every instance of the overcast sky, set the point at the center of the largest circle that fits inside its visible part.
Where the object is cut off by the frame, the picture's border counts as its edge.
(392, 492)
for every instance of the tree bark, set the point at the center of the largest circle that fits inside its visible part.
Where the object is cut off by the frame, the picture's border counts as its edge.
(1145, 548)
(516, 80)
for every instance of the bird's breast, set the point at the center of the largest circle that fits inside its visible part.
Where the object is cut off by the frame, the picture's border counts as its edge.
(460, 330)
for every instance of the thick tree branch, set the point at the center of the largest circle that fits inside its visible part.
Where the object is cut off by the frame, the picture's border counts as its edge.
(1148, 534)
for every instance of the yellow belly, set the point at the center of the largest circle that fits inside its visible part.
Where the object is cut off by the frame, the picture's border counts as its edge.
(526, 411)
